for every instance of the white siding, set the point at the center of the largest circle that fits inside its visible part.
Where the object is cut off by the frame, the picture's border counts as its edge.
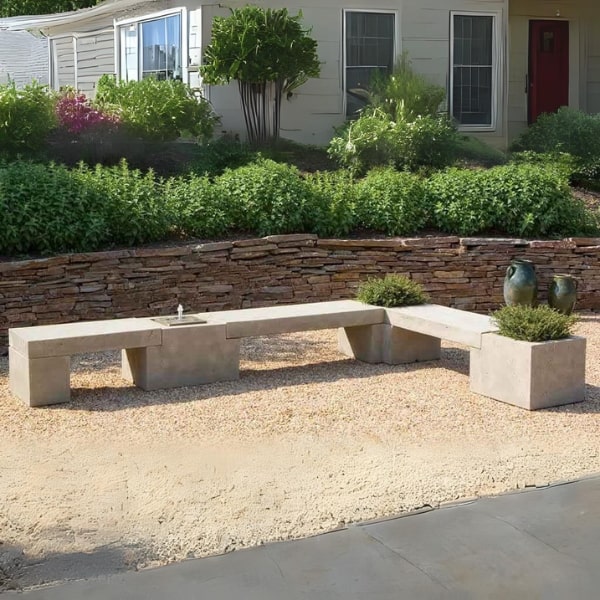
(95, 57)
(23, 57)
(63, 63)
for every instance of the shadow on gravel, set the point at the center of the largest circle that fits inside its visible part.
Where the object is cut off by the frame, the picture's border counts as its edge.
(18, 572)
(108, 399)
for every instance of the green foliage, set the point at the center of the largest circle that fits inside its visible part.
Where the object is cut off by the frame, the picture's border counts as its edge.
(13, 8)
(269, 54)
(156, 110)
(473, 150)
(391, 202)
(405, 95)
(267, 197)
(333, 212)
(393, 290)
(568, 130)
(26, 118)
(517, 199)
(374, 139)
(43, 209)
(223, 153)
(197, 209)
(539, 324)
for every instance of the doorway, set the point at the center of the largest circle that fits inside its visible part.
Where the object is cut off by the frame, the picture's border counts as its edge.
(548, 79)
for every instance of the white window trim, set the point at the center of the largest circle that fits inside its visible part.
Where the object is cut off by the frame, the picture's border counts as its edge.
(397, 42)
(182, 11)
(497, 60)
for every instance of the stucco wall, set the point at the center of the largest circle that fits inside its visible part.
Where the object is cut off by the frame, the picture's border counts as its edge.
(465, 273)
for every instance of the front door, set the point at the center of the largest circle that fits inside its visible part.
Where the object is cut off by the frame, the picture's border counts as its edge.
(548, 67)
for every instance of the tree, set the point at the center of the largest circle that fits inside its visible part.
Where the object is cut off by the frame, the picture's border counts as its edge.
(14, 8)
(269, 54)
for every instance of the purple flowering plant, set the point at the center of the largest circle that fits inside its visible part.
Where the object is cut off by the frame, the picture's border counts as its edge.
(77, 115)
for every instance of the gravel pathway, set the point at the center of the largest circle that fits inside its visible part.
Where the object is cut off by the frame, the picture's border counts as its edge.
(306, 441)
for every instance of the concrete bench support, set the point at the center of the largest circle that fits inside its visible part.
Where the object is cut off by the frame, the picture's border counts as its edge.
(387, 344)
(187, 356)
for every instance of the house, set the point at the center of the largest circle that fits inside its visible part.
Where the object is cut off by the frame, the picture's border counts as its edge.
(503, 61)
(23, 57)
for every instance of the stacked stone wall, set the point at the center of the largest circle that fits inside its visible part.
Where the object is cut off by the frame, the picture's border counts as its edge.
(466, 273)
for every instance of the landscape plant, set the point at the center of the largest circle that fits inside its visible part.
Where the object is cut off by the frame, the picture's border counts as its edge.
(269, 54)
(533, 324)
(391, 290)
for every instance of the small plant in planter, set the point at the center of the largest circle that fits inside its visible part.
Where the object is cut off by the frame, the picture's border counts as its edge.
(533, 361)
(539, 324)
(392, 290)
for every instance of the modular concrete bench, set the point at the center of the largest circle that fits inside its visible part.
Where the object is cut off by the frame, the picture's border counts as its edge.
(158, 356)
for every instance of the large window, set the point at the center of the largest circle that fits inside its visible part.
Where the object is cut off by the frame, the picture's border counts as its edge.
(151, 47)
(369, 48)
(472, 79)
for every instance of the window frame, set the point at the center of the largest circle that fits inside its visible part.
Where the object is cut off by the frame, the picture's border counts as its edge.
(496, 68)
(137, 21)
(397, 44)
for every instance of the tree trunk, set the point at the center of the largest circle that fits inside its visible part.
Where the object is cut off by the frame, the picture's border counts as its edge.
(261, 105)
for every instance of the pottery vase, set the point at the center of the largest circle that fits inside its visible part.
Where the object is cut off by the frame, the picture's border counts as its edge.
(520, 283)
(562, 293)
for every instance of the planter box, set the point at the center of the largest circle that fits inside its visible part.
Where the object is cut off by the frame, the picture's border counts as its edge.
(531, 375)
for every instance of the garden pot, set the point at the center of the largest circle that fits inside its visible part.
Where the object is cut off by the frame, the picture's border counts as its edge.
(520, 283)
(562, 293)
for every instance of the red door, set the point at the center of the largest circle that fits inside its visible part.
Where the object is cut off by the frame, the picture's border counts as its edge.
(548, 67)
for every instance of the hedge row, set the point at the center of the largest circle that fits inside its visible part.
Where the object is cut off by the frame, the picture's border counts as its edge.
(50, 208)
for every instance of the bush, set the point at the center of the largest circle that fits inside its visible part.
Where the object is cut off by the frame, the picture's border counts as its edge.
(197, 209)
(567, 130)
(393, 290)
(156, 110)
(267, 198)
(391, 202)
(334, 193)
(405, 94)
(375, 140)
(44, 209)
(473, 150)
(518, 199)
(538, 324)
(223, 153)
(26, 118)
(76, 114)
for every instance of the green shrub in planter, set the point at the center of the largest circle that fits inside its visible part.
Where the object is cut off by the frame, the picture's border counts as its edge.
(391, 202)
(539, 324)
(392, 290)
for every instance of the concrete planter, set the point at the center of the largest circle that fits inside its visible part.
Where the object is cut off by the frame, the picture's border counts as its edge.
(531, 375)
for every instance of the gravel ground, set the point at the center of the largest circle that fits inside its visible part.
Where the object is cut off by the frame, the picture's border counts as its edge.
(305, 442)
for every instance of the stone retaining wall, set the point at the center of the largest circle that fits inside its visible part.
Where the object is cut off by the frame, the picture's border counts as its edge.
(466, 273)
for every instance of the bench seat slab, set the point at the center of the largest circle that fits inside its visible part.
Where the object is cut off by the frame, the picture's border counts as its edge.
(387, 344)
(188, 356)
(39, 381)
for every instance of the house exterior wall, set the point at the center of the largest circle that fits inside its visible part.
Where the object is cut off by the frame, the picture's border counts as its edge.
(23, 58)
(584, 54)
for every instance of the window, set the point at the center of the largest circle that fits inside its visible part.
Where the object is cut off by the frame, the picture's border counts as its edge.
(151, 47)
(369, 48)
(473, 72)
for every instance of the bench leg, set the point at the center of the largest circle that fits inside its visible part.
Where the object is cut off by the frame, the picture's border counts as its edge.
(188, 356)
(39, 381)
(387, 344)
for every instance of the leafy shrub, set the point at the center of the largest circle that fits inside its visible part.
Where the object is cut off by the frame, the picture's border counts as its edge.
(267, 197)
(567, 130)
(333, 211)
(76, 114)
(26, 118)
(44, 209)
(212, 158)
(517, 199)
(156, 110)
(393, 290)
(391, 202)
(538, 324)
(196, 207)
(405, 94)
(374, 139)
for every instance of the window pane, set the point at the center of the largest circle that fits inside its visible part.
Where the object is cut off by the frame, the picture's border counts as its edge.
(129, 54)
(161, 48)
(369, 49)
(472, 72)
